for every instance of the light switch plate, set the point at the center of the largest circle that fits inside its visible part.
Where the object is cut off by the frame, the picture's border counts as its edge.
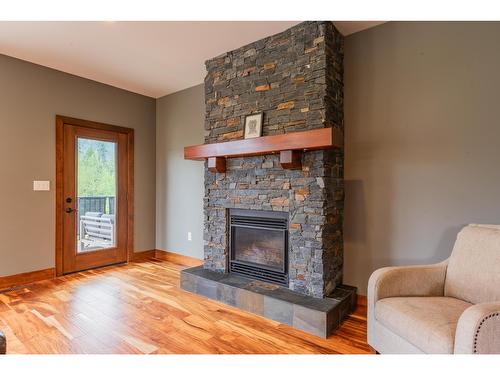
(41, 185)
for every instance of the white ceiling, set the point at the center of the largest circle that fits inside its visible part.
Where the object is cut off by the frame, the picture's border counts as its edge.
(149, 58)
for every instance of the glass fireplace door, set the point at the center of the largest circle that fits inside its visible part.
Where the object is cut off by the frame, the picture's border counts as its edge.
(261, 247)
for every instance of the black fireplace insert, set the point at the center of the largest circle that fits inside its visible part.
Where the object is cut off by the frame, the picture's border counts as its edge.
(258, 245)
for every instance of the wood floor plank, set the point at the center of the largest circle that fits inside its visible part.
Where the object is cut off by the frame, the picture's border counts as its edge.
(139, 308)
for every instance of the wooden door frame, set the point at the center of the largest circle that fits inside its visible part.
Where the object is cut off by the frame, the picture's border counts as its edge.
(60, 122)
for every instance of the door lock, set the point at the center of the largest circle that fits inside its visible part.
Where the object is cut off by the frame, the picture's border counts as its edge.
(69, 210)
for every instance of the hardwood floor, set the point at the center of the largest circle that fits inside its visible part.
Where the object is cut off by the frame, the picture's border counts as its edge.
(139, 308)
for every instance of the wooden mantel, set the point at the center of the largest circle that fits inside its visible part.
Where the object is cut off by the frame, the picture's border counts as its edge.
(290, 146)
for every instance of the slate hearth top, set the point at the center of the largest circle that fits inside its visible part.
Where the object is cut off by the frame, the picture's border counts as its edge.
(340, 294)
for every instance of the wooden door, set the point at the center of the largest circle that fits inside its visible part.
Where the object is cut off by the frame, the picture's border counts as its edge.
(94, 195)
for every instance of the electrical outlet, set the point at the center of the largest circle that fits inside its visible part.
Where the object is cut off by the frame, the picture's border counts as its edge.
(190, 237)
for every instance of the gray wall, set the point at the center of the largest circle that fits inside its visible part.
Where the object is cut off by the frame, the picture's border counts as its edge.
(179, 183)
(422, 141)
(30, 98)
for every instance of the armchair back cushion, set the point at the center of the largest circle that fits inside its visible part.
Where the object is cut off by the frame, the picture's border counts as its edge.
(473, 273)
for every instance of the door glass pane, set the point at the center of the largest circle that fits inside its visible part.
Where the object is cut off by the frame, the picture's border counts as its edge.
(264, 247)
(96, 195)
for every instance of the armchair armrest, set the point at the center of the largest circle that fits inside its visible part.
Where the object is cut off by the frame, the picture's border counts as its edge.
(478, 330)
(407, 281)
(3, 343)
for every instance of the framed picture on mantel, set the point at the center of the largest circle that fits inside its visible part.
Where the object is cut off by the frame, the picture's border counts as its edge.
(253, 125)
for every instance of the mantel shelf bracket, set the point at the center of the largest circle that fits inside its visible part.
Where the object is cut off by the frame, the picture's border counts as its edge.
(217, 164)
(291, 159)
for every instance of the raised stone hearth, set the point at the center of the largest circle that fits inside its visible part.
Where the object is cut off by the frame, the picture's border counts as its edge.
(295, 79)
(318, 316)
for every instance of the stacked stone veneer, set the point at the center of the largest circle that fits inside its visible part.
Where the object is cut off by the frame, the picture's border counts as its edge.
(296, 79)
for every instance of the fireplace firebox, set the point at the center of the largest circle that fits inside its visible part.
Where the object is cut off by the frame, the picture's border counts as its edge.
(258, 245)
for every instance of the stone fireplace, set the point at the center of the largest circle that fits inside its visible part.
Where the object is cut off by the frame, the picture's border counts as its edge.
(295, 79)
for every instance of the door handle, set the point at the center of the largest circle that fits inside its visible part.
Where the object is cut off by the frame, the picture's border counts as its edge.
(69, 210)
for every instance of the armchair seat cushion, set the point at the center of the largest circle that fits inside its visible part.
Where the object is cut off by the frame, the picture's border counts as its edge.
(429, 323)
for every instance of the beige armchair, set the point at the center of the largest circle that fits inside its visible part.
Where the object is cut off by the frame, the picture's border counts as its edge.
(449, 307)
